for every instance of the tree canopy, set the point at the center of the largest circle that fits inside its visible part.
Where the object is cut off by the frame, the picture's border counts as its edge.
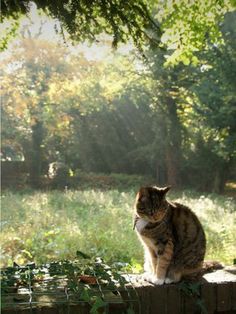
(86, 19)
(181, 27)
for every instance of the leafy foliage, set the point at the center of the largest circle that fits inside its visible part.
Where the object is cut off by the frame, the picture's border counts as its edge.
(192, 290)
(85, 279)
(182, 27)
(216, 87)
(188, 27)
(86, 19)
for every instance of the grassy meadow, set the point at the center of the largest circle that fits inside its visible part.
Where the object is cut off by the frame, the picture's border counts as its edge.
(44, 226)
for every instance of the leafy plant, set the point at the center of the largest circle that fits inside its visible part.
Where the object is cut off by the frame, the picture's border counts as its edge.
(85, 278)
(192, 290)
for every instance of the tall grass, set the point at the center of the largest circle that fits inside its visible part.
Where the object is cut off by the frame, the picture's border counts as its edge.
(46, 226)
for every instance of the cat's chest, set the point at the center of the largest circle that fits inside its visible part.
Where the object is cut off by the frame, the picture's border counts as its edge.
(140, 225)
(148, 241)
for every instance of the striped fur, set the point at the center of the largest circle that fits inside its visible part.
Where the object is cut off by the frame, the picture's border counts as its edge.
(172, 236)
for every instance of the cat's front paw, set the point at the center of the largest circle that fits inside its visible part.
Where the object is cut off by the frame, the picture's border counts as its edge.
(157, 281)
(173, 278)
(146, 277)
(153, 279)
(169, 280)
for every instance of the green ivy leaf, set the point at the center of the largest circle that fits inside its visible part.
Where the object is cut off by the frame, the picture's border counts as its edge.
(85, 295)
(130, 311)
(99, 303)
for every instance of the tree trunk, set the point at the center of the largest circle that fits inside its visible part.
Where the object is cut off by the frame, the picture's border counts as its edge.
(35, 166)
(173, 144)
(220, 177)
(160, 174)
(173, 175)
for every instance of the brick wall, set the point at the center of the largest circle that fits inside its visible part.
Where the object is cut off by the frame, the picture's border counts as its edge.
(216, 294)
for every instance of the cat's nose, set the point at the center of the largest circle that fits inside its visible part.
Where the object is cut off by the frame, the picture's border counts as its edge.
(154, 216)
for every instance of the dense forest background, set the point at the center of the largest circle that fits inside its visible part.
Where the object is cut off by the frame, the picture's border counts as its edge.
(120, 111)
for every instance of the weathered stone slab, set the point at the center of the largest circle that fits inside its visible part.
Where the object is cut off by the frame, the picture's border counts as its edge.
(227, 274)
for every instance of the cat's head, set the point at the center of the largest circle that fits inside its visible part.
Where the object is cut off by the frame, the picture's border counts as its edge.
(151, 204)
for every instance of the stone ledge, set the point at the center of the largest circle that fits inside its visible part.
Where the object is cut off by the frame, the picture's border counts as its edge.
(215, 293)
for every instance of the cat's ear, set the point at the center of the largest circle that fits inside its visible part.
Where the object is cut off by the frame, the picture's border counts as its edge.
(164, 190)
(143, 191)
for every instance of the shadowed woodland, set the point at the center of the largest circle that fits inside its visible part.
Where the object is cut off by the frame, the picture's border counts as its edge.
(145, 111)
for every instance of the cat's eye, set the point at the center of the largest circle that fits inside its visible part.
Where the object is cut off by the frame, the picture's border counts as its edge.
(143, 199)
(141, 208)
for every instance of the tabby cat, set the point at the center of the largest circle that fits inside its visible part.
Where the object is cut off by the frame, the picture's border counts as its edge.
(173, 238)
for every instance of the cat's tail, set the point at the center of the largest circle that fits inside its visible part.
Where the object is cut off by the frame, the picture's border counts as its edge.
(206, 267)
(210, 266)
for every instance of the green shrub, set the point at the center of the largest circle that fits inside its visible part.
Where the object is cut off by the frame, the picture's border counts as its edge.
(59, 173)
(103, 181)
